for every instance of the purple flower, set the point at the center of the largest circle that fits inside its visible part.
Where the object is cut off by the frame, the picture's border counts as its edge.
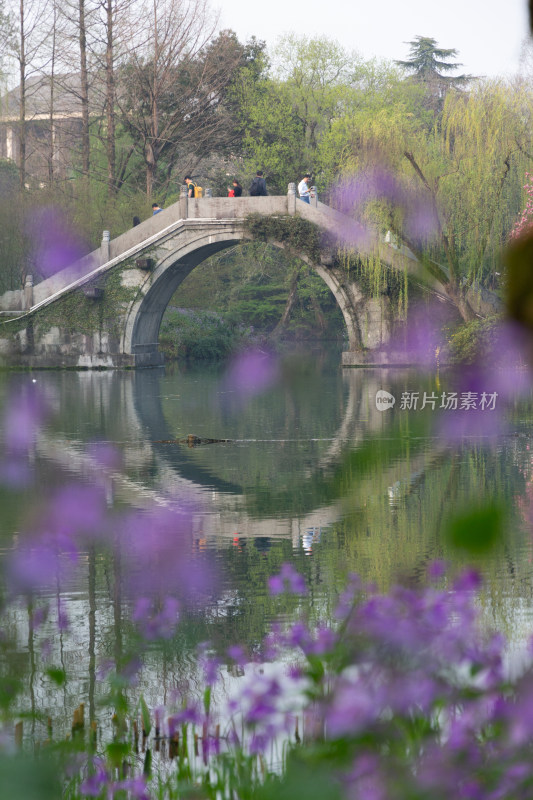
(355, 706)
(135, 786)
(250, 373)
(353, 195)
(160, 624)
(189, 715)
(15, 473)
(93, 785)
(422, 338)
(25, 412)
(325, 641)
(56, 245)
(77, 508)
(38, 565)
(157, 549)
(210, 666)
(468, 581)
(105, 454)
(436, 570)
(288, 581)
(237, 654)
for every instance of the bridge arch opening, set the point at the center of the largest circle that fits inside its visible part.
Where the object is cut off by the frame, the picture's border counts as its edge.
(173, 268)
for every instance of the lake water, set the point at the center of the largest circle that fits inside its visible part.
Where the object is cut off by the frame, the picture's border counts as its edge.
(313, 473)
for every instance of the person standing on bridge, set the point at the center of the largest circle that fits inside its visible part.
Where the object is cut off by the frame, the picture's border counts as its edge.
(156, 208)
(303, 189)
(258, 186)
(237, 188)
(190, 185)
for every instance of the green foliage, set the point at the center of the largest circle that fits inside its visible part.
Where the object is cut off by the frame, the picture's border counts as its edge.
(306, 778)
(199, 336)
(464, 168)
(27, 778)
(474, 341)
(477, 530)
(301, 237)
(375, 279)
(251, 282)
(427, 61)
(57, 675)
(273, 134)
(145, 714)
(9, 177)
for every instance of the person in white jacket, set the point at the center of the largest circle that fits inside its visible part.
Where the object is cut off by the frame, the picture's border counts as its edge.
(304, 190)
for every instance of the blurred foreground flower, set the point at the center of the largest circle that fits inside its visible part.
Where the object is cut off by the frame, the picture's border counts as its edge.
(250, 373)
(56, 244)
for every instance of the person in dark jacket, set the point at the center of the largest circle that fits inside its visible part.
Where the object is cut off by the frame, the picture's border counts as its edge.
(237, 188)
(258, 187)
(191, 186)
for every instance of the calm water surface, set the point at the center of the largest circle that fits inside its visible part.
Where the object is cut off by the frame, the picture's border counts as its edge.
(313, 473)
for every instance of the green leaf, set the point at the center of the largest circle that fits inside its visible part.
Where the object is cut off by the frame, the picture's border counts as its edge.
(117, 752)
(207, 699)
(477, 530)
(145, 714)
(147, 767)
(57, 675)
(316, 668)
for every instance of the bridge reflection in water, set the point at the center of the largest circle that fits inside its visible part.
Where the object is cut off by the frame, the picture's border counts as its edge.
(157, 471)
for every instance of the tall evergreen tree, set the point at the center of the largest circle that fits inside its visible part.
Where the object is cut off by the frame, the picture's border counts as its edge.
(427, 63)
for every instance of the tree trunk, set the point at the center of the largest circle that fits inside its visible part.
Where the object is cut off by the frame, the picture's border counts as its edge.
(150, 170)
(22, 100)
(110, 100)
(84, 92)
(289, 305)
(52, 131)
(319, 315)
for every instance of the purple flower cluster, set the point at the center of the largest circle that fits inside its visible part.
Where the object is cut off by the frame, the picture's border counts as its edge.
(156, 624)
(354, 194)
(100, 780)
(420, 697)
(157, 549)
(288, 581)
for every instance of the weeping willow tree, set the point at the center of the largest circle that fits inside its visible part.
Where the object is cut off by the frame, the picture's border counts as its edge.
(448, 187)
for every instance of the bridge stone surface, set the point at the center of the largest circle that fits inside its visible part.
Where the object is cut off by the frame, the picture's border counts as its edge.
(146, 265)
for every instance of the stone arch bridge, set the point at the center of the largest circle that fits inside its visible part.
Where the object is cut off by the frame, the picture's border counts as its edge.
(105, 310)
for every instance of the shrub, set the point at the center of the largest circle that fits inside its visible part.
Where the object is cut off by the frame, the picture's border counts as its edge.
(199, 336)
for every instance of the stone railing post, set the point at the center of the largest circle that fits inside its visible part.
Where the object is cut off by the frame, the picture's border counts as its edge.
(184, 201)
(291, 199)
(104, 247)
(313, 199)
(208, 193)
(28, 292)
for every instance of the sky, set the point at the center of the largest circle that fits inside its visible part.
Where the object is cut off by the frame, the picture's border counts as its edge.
(488, 34)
